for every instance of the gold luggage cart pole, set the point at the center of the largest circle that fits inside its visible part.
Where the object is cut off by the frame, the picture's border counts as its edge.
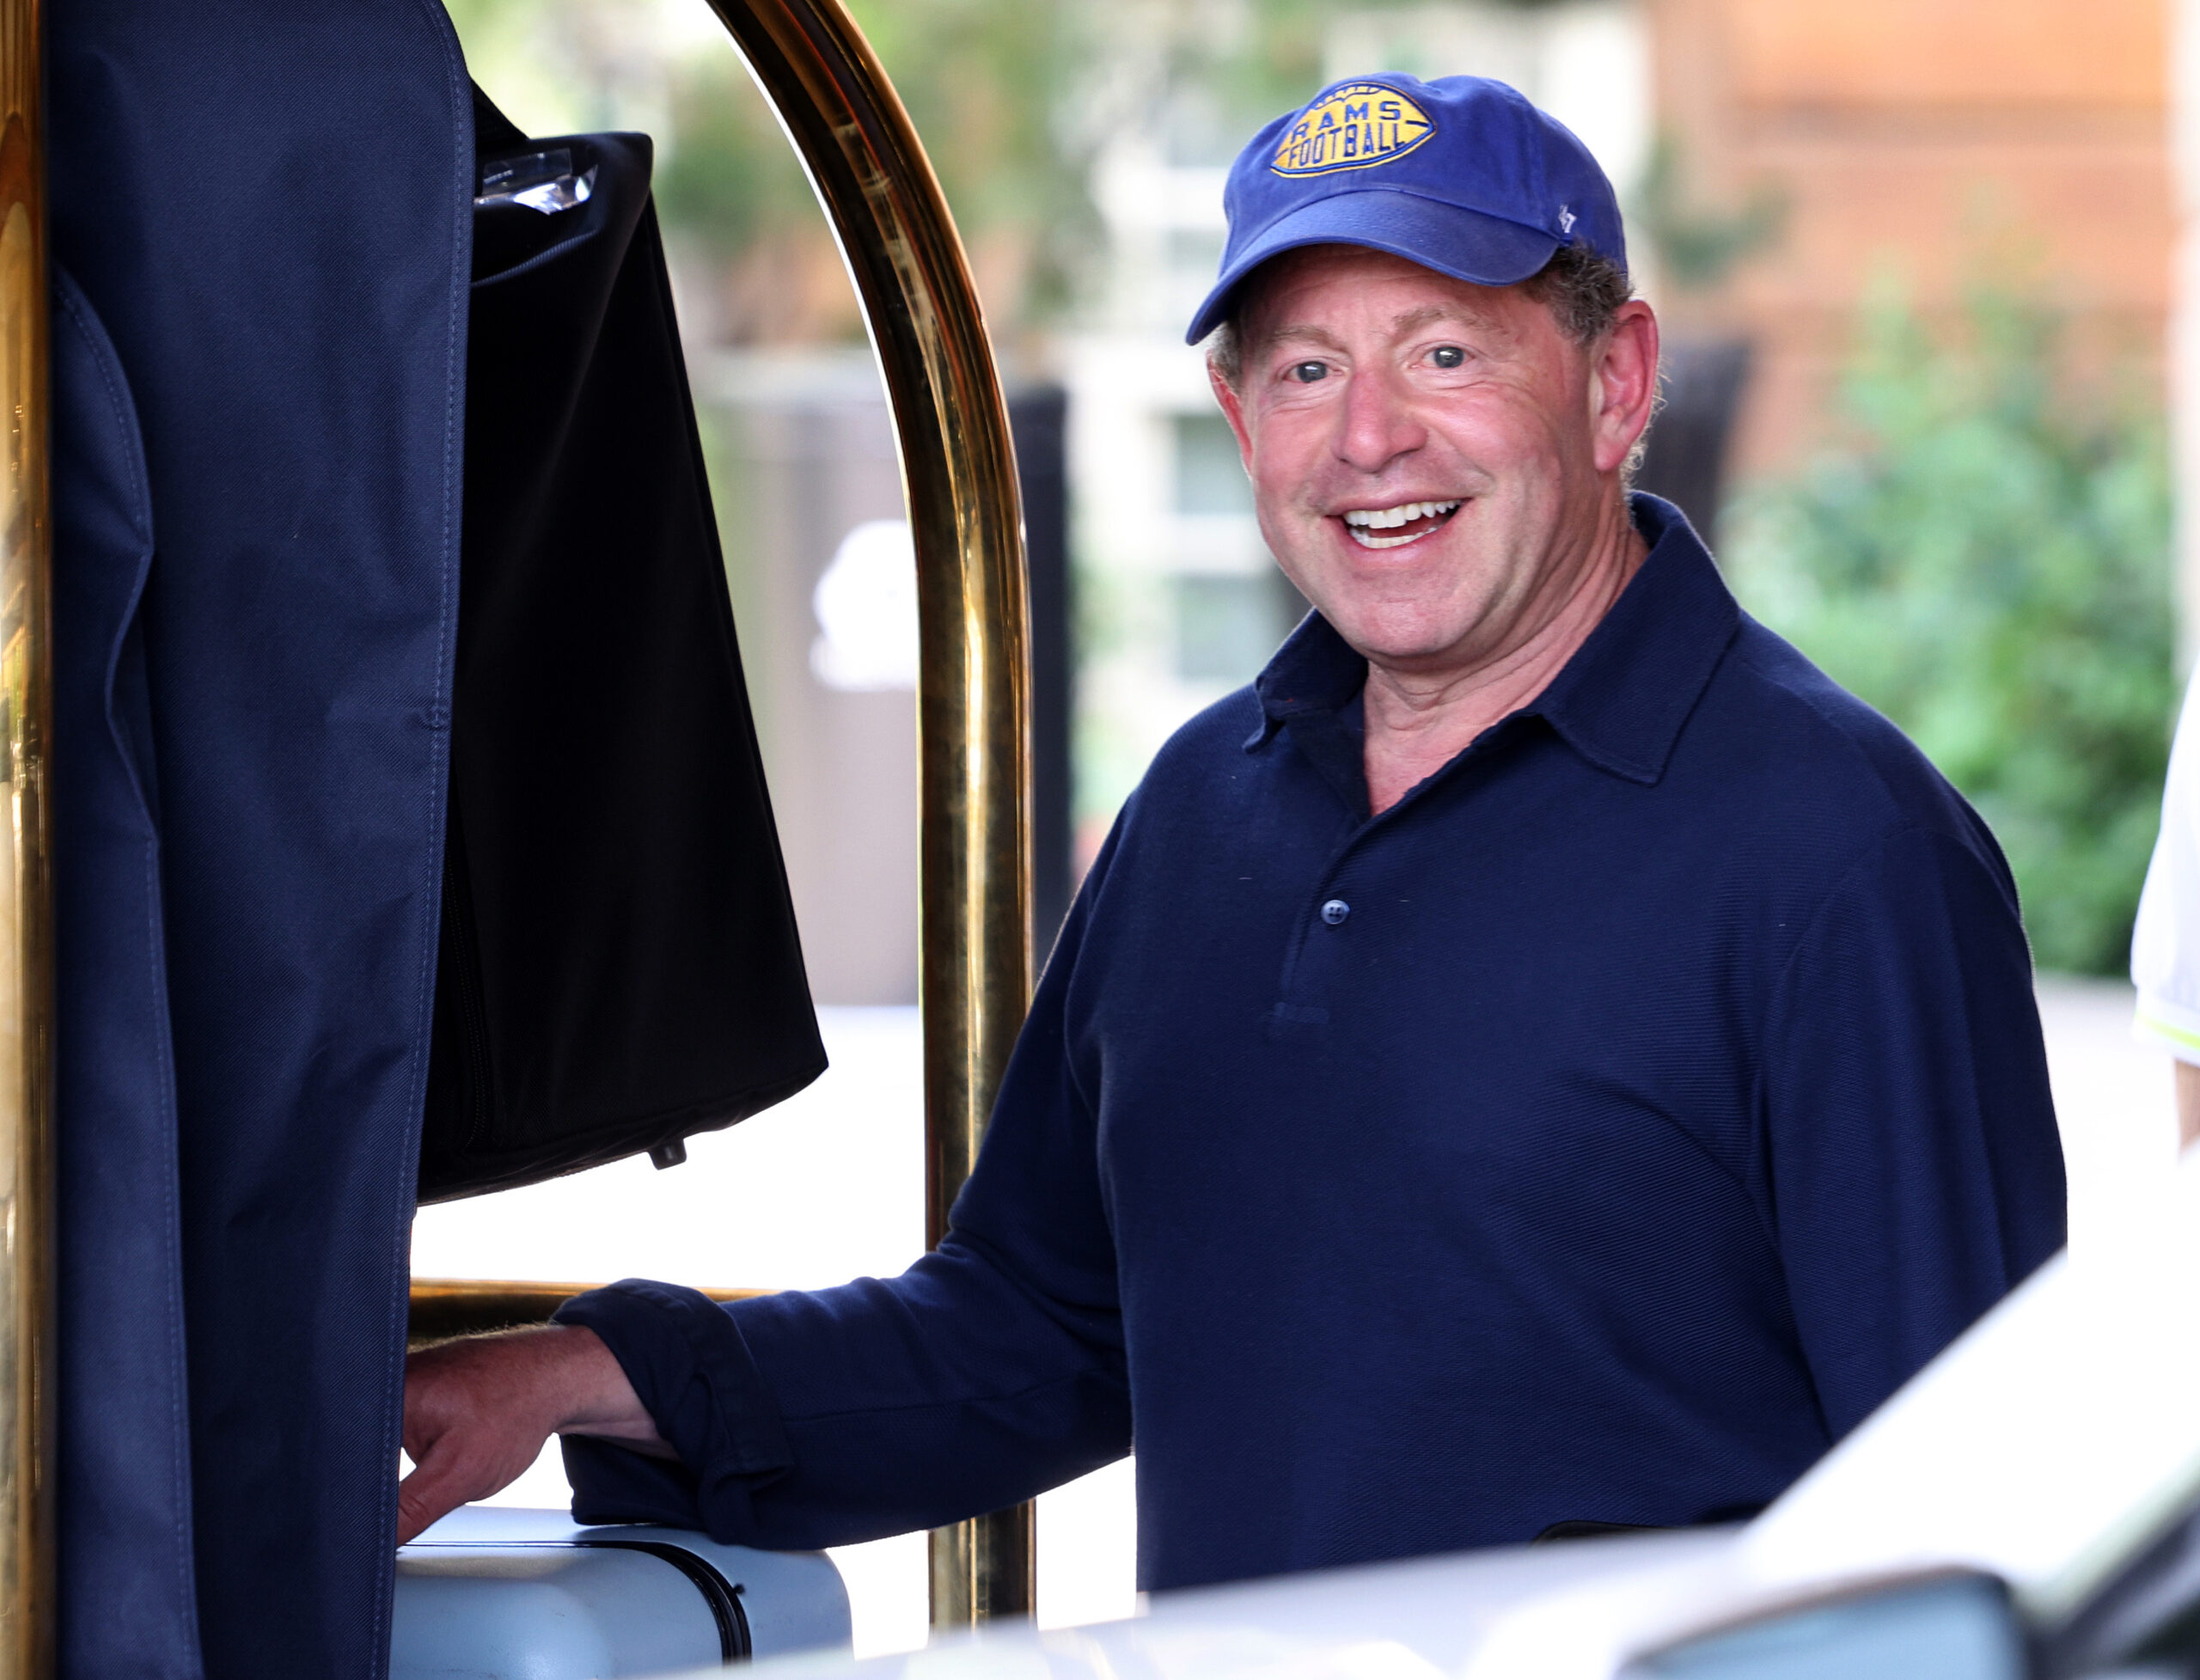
(26, 901)
(958, 472)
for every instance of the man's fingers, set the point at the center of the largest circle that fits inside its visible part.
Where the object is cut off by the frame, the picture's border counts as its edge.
(456, 1470)
(422, 1498)
(445, 1475)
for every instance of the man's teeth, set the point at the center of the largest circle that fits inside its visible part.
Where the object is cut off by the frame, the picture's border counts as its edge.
(1404, 514)
(1365, 520)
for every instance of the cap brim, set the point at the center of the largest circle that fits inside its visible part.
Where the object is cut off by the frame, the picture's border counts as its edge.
(1465, 244)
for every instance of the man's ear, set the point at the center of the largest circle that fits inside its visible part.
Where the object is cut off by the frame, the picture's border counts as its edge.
(1624, 383)
(1233, 410)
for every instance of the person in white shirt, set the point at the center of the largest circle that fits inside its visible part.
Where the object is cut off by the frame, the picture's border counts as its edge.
(2165, 943)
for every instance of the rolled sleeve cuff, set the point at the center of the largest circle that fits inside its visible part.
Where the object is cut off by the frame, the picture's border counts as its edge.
(2174, 1027)
(694, 1376)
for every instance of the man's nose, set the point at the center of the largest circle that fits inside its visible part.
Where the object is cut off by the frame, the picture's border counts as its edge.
(1376, 422)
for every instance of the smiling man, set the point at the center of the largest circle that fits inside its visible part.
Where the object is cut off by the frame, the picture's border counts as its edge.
(1542, 1055)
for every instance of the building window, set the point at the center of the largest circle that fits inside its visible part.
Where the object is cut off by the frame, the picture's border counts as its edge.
(1210, 479)
(1228, 624)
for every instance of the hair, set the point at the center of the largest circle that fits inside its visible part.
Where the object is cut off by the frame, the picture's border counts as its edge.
(1582, 289)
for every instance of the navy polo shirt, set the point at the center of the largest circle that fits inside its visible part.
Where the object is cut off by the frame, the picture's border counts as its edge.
(1598, 1133)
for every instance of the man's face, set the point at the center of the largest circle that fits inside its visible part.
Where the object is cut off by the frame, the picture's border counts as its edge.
(1435, 463)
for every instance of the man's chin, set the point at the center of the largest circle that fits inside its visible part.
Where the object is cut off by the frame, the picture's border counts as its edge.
(1402, 642)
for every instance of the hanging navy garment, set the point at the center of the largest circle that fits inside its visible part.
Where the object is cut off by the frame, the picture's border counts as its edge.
(293, 332)
(126, 1472)
(267, 210)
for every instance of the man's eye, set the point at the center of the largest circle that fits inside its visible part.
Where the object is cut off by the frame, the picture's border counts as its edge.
(1447, 356)
(1307, 372)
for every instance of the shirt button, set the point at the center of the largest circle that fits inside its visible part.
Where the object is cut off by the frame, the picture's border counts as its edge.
(1336, 911)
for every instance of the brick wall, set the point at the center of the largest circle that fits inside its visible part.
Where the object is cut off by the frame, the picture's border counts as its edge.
(1940, 134)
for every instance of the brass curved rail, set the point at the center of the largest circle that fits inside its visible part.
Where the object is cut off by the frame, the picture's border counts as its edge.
(26, 903)
(447, 1307)
(958, 472)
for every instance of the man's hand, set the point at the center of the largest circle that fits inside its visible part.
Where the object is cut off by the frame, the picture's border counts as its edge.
(477, 1410)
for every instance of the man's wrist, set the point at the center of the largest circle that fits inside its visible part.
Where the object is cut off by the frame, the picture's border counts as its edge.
(584, 1389)
(691, 1371)
(567, 1379)
(599, 1400)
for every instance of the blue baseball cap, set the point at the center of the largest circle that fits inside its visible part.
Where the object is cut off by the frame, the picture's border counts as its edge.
(1460, 175)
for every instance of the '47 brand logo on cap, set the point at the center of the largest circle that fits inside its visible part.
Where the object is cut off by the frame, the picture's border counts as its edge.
(1351, 127)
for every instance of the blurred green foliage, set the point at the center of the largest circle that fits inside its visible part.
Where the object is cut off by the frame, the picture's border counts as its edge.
(981, 79)
(729, 177)
(1698, 248)
(1985, 556)
(987, 84)
(1011, 99)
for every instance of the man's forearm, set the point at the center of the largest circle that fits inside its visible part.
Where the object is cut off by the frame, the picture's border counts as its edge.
(560, 1379)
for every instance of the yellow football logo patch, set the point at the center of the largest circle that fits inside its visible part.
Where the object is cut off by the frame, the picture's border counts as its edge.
(1361, 124)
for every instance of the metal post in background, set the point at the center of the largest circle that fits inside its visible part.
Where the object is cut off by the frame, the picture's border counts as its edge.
(26, 908)
(959, 473)
(1039, 416)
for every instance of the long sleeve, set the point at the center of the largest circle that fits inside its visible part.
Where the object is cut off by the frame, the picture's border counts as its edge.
(1916, 1169)
(993, 1368)
(2165, 943)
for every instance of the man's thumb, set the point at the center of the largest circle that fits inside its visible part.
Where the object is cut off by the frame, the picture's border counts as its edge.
(424, 1496)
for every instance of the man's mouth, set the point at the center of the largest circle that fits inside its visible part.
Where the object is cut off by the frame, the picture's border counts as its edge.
(1393, 528)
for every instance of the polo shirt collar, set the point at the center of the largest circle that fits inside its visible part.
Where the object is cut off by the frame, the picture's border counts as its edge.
(1621, 700)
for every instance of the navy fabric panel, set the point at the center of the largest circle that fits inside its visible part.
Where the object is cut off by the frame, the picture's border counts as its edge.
(1664, 1087)
(124, 1489)
(270, 208)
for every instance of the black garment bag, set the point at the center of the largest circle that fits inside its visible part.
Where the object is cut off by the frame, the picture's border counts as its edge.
(620, 968)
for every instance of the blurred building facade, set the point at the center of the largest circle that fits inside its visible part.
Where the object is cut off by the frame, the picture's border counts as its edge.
(818, 557)
(1942, 141)
(1774, 157)
(1777, 159)
(2183, 25)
